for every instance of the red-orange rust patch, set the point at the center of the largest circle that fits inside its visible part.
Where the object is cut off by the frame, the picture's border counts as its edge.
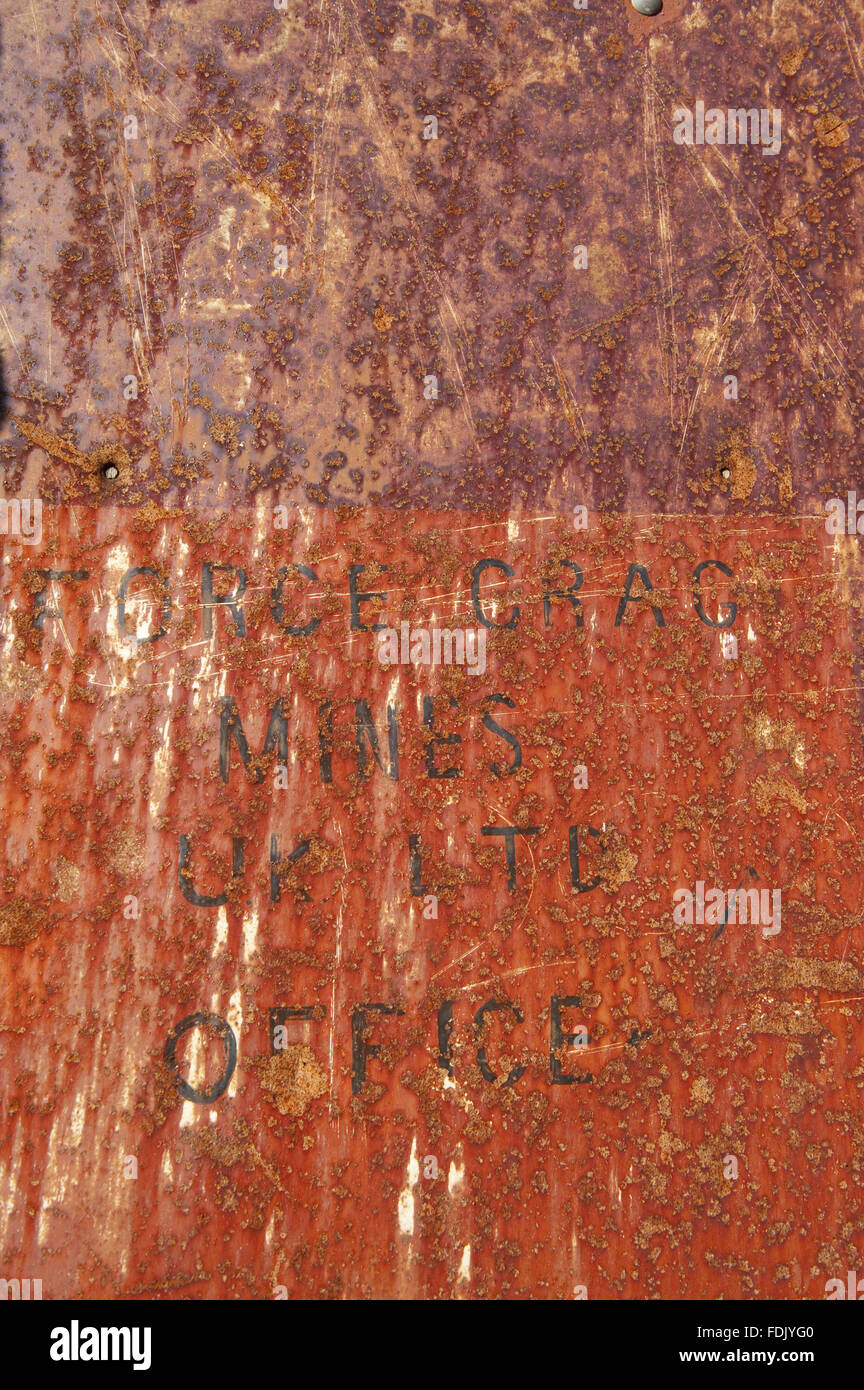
(703, 1044)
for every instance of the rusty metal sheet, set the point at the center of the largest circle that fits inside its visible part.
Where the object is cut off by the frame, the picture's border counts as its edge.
(329, 969)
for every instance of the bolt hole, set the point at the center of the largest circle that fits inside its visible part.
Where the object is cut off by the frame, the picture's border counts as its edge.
(725, 472)
(110, 471)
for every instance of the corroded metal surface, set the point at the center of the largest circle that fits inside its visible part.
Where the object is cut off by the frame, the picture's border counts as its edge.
(407, 257)
(239, 311)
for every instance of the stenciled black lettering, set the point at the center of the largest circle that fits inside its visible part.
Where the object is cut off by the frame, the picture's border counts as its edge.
(495, 728)
(184, 876)
(40, 608)
(361, 1048)
(357, 598)
(629, 597)
(438, 740)
(508, 833)
(476, 574)
(697, 596)
(366, 733)
(281, 1014)
(418, 887)
(231, 601)
(226, 1032)
(325, 740)
(558, 1039)
(489, 1075)
(121, 604)
(568, 594)
(279, 867)
(445, 1028)
(231, 727)
(575, 875)
(277, 605)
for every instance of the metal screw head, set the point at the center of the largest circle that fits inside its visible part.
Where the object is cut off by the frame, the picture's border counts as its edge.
(110, 471)
(648, 7)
